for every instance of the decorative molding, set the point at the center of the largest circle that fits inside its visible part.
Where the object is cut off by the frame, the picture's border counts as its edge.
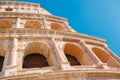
(70, 36)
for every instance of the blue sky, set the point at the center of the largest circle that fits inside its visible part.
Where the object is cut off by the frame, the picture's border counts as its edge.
(100, 18)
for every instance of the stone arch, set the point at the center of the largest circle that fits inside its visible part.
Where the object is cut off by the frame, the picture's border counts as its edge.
(73, 60)
(5, 23)
(38, 48)
(32, 24)
(2, 55)
(35, 60)
(75, 51)
(105, 57)
(57, 26)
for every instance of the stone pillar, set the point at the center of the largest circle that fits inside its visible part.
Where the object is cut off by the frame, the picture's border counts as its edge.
(45, 24)
(11, 69)
(6, 60)
(69, 27)
(86, 54)
(62, 60)
(94, 57)
(7, 53)
(18, 23)
(20, 58)
(13, 55)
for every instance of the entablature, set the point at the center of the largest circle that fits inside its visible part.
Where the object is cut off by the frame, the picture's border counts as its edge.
(46, 33)
(28, 16)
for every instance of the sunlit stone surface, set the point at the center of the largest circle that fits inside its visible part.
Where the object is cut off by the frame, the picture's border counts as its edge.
(36, 45)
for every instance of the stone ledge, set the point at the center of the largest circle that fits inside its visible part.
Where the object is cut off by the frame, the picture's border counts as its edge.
(28, 15)
(22, 32)
(59, 75)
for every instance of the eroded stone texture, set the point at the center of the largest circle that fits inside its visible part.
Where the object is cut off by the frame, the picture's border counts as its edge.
(29, 34)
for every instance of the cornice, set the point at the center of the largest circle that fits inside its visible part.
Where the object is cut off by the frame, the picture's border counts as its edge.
(28, 15)
(65, 35)
(21, 3)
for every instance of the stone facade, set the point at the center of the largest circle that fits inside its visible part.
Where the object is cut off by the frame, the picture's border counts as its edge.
(27, 29)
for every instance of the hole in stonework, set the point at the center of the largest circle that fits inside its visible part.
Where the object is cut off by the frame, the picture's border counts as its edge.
(73, 61)
(1, 62)
(35, 60)
(9, 9)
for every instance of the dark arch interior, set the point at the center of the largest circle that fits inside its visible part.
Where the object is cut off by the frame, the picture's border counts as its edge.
(73, 61)
(35, 60)
(1, 62)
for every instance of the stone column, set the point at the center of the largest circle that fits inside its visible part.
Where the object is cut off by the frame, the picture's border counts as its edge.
(7, 53)
(94, 57)
(62, 60)
(20, 58)
(18, 23)
(86, 54)
(6, 60)
(11, 69)
(69, 27)
(13, 55)
(45, 24)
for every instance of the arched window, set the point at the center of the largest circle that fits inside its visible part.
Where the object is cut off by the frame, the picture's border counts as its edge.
(1, 62)
(73, 61)
(75, 55)
(102, 55)
(5, 24)
(57, 26)
(32, 24)
(34, 61)
(105, 57)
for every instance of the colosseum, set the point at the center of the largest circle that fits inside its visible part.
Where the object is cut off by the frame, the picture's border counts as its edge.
(36, 45)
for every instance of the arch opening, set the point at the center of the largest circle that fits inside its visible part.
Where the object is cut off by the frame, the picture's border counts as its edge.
(9, 9)
(5, 24)
(1, 62)
(105, 57)
(75, 55)
(73, 61)
(35, 60)
(33, 24)
(57, 26)
(34, 49)
(102, 55)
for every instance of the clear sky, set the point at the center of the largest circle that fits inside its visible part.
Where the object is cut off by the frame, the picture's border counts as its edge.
(100, 18)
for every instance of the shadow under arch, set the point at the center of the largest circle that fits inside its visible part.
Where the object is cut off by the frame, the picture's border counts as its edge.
(105, 57)
(1, 62)
(73, 60)
(2, 56)
(75, 54)
(37, 50)
(35, 60)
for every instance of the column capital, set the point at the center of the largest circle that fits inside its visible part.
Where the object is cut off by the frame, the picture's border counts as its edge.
(14, 37)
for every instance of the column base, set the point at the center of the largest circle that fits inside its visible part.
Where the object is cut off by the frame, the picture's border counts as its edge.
(103, 65)
(65, 66)
(10, 70)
